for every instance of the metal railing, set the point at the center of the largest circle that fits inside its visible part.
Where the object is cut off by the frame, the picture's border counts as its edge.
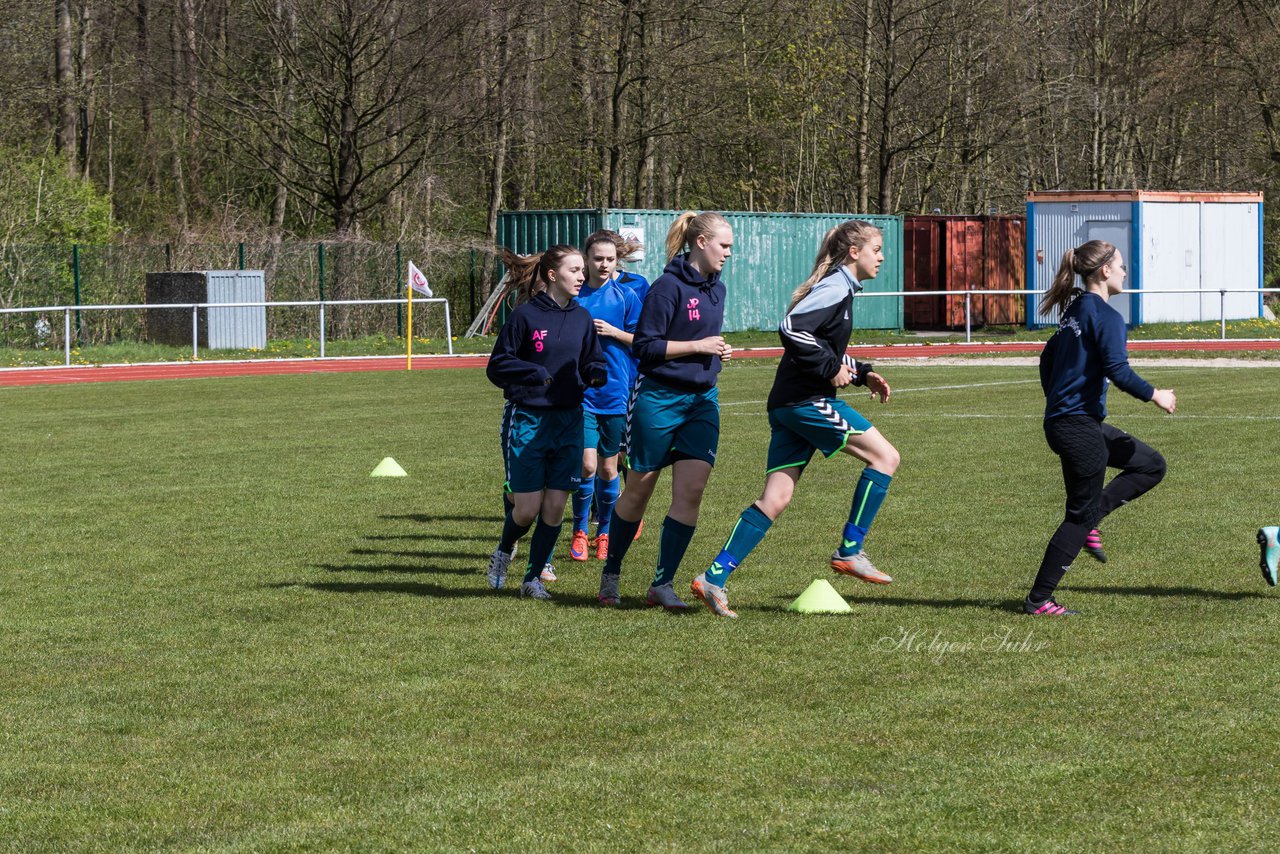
(321, 305)
(69, 310)
(969, 294)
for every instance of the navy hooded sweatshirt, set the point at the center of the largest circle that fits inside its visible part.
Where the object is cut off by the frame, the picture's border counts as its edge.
(546, 356)
(1086, 352)
(682, 305)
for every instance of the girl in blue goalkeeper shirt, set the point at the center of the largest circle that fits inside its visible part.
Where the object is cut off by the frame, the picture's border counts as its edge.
(806, 416)
(546, 356)
(616, 310)
(674, 415)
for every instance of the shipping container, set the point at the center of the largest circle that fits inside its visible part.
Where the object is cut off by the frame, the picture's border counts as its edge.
(1180, 241)
(958, 253)
(772, 254)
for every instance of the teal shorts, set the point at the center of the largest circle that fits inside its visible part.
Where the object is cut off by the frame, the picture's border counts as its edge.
(817, 425)
(602, 433)
(544, 449)
(665, 424)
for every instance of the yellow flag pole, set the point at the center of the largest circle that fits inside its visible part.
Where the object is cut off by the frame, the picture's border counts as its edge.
(408, 357)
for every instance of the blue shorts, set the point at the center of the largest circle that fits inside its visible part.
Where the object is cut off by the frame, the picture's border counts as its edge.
(544, 449)
(817, 425)
(602, 433)
(665, 424)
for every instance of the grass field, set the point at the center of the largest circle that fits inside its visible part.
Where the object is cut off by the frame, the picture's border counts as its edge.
(220, 634)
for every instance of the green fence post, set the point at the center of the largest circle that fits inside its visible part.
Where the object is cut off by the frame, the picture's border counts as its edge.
(241, 253)
(396, 291)
(168, 257)
(75, 274)
(471, 280)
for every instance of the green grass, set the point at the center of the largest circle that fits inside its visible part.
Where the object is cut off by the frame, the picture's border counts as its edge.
(220, 634)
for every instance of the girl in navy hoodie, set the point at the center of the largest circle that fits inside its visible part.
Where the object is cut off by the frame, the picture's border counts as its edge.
(1085, 354)
(674, 415)
(546, 355)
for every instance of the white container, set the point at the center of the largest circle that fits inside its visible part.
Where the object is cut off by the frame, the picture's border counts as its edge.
(1171, 241)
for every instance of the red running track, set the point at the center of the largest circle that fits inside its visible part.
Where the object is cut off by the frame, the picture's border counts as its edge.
(274, 367)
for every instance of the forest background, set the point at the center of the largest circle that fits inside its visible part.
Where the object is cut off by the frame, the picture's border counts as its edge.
(378, 121)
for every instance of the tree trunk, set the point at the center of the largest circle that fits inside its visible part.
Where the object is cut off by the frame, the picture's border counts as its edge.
(64, 80)
(864, 109)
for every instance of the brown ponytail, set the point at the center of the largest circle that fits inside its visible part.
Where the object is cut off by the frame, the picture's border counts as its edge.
(835, 248)
(626, 248)
(689, 226)
(1084, 261)
(527, 274)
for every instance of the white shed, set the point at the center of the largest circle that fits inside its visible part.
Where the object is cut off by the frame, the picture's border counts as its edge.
(1172, 241)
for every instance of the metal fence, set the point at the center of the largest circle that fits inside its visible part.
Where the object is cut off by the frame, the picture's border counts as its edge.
(351, 276)
(320, 311)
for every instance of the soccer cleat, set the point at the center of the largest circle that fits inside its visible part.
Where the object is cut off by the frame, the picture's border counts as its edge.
(499, 562)
(578, 548)
(713, 596)
(602, 547)
(548, 573)
(1047, 608)
(1269, 541)
(665, 596)
(609, 594)
(534, 590)
(1093, 545)
(859, 566)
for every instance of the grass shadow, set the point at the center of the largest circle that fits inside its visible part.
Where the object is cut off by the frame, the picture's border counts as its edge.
(423, 517)
(1008, 605)
(1168, 592)
(480, 559)
(449, 537)
(409, 570)
(436, 591)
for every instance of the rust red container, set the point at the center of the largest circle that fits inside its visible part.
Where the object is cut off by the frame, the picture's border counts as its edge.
(957, 253)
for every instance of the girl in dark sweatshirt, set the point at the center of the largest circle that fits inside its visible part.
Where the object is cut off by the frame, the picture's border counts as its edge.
(1086, 354)
(545, 357)
(674, 415)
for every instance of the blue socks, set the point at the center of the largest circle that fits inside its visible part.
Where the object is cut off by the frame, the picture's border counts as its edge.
(672, 545)
(540, 549)
(582, 503)
(606, 496)
(624, 531)
(867, 498)
(752, 525)
(511, 533)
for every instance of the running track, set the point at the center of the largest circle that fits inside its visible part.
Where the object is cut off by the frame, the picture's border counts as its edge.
(200, 370)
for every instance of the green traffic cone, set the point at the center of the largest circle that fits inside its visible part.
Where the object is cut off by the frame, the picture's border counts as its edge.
(388, 468)
(820, 598)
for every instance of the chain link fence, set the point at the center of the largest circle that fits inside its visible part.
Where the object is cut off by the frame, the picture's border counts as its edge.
(116, 274)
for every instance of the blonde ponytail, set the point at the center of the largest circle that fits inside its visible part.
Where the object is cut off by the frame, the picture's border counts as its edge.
(688, 227)
(834, 249)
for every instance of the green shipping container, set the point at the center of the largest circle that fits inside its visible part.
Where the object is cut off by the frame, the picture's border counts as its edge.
(772, 254)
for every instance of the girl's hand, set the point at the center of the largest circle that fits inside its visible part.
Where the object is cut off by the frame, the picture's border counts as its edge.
(712, 345)
(843, 377)
(608, 330)
(878, 387)
(726, 352)
(1165, 399)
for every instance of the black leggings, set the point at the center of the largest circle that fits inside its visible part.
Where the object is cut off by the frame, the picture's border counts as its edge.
(1088, 447)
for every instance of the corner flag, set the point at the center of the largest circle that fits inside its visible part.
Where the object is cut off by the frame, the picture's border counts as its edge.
(419, 282)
